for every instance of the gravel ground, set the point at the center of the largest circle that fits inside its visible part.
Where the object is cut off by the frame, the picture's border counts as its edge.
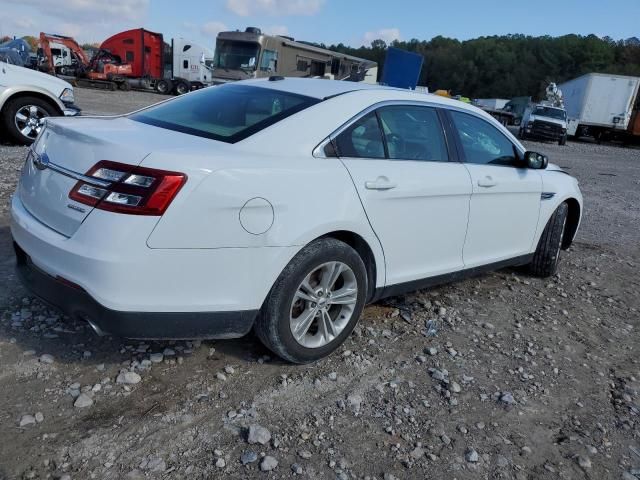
(525, 379)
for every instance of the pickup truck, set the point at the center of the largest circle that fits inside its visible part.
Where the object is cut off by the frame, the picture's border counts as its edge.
(544, 122)
(27, 97)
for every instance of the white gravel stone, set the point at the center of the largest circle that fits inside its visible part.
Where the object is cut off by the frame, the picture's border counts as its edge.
(268, 463)
(258, 434)
(39, 417)
(27, 420)
(156, 357)
(83, 401)
(46, 358)
(471, 455)
(128, 378)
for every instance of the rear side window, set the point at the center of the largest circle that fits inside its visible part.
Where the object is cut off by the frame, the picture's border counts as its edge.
(413, 133)
(362, 139)
(228, 113)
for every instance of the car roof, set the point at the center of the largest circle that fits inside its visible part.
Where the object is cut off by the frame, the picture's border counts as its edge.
(324, 89)
(313, 87)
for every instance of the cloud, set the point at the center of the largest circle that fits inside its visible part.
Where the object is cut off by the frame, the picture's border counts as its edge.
(86, 20)
(386, 34)
(277, 30)
(211, 29)
(96, 10)
(246, 8)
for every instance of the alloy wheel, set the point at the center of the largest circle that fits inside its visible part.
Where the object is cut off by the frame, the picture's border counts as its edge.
(323, 304)
(29, 120)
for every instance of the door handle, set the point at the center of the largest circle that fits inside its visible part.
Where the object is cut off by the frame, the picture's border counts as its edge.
(380, 183)
(487, 182)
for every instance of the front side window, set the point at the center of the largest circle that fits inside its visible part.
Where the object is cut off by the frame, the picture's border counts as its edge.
(413, 133)
(269, 62)
(362, 139)
(236, 55)
(228, 113)
(482, 143)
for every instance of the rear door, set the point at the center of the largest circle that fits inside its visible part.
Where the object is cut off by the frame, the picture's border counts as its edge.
(505, 203)
(416, 199)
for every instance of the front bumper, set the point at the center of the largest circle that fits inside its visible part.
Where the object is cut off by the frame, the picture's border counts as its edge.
(71, 110)
(77, 303)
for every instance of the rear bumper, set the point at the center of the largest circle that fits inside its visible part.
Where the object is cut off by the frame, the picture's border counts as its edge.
(77, 303)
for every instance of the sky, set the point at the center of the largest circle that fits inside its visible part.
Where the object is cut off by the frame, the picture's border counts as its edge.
(352, 22)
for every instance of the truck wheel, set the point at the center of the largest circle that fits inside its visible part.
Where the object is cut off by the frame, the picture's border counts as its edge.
(563, 140)
(315, 303)
(547, 255)
(164, 86)
(23, 118)
(181, 88)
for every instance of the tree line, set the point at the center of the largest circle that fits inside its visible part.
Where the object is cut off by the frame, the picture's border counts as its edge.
(510, 65)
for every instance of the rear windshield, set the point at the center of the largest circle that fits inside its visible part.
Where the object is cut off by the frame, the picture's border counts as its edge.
(228, 113)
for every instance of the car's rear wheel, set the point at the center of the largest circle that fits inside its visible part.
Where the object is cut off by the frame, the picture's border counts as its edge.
(547, 255)
(23, 118)
(315, 303)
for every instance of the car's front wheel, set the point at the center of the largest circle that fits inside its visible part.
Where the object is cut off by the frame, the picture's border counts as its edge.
(23, 118)
(547, 255)
(315, 303)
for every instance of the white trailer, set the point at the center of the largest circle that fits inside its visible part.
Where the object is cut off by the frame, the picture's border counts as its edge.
(492, 103)
(600, 104)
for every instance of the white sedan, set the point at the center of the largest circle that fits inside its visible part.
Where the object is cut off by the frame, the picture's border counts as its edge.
(282, 205)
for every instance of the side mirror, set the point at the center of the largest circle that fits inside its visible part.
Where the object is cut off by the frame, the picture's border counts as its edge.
(536, 161)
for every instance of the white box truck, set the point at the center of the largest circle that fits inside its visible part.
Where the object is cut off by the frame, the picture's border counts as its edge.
(602, 106)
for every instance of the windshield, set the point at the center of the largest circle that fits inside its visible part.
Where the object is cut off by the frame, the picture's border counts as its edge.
(551, 113)
(236, 55)
(228, 113)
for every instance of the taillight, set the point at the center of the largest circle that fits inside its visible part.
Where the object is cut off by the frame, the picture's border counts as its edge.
(128, 189)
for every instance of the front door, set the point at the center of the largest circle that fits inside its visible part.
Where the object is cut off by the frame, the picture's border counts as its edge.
(505, 202)
(416, 200)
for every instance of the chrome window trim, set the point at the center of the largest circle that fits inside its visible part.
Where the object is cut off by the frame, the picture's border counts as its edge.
(318, 151)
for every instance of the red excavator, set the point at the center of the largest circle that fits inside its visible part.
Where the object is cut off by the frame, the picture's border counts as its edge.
(62, 55)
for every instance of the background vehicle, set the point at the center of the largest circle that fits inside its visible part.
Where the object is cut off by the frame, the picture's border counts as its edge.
(603, 106)
(27, 97)
(546, 120)
(252, 54)
(19, 50)
(156, 65)
(197, 229)
(62, 55)
(132, 59)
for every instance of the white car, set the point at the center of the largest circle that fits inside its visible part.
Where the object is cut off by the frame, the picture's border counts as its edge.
(282, 205)
(27, 97)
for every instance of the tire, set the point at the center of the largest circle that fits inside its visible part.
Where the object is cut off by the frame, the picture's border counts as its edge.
(284, 306)
(547, 255)
(164, 86)
(563, 140)
(181, 87)
(25, 113)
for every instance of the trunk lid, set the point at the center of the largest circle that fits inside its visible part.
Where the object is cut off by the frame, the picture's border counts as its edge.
(70, 147)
